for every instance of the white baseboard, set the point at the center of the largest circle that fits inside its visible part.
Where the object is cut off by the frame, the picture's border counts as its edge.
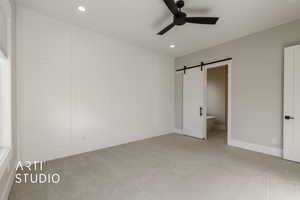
(249, 146)
(256, 147)
(8, 185)
(79, 152)
(178, 131)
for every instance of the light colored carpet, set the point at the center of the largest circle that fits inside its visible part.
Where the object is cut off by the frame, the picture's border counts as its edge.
(170, 167)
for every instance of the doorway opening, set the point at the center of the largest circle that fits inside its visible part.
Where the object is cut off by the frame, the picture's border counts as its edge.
(216, 98)
(218, 101)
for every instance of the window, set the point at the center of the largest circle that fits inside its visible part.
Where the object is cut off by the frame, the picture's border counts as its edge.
(5, 111)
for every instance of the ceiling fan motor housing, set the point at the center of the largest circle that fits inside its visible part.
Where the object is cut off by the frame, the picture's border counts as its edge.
(180, 19)
(180, 4)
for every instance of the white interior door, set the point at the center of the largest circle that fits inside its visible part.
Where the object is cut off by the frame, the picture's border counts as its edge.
(291, 134)
(193, 101)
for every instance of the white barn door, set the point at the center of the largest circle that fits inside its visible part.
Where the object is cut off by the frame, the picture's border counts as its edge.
(291, 136)
(193, 101)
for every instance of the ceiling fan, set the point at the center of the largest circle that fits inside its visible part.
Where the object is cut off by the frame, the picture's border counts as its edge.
(180, 18)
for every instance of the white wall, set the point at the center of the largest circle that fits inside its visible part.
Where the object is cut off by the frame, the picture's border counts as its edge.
(7, 43)
(216, 94)
(178, 101)
(79, 91)
(257, 73)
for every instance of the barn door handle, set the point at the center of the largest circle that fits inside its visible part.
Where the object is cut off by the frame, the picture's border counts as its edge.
(288, 117)
(201, 111)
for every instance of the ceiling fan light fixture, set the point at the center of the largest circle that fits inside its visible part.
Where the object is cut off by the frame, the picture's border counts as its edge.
(81, 8)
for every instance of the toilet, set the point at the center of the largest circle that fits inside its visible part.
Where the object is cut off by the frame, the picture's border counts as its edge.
(210, 122)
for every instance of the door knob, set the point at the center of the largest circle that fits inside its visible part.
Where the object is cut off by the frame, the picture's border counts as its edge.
(288, 117)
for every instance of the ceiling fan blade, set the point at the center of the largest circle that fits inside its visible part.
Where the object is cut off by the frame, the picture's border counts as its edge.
(172, 6)
(197, 10)
(163, 19)
(202, 20)
(166, 29)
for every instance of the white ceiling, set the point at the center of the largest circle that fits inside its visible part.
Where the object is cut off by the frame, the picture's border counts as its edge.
(138, 21)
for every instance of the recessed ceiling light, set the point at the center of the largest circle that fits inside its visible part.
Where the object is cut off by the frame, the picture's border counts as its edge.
(81, 8)
(172, 46)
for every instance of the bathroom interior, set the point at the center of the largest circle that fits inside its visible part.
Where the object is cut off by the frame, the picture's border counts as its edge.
(217, 97)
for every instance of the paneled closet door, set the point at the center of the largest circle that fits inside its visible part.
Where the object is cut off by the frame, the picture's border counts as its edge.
(291, 136)
(193, 103)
